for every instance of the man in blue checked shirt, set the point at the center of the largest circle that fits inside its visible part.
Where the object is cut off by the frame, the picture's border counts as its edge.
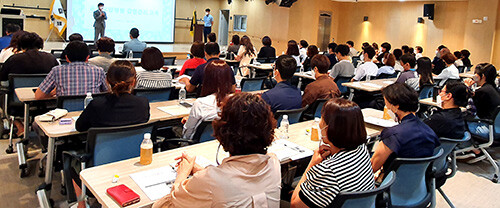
(209, 21)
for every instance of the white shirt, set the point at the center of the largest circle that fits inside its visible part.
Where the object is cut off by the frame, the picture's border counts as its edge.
(303, 54)
(367, 68)
(459, 62)
(398, 67)
(353, 52)
(418, 55)
(6, 54)
(450, 72)
(204, 109)
(297, 58)
(385, 70)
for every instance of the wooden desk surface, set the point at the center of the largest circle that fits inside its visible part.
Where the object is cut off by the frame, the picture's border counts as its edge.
(370, 86)
(26, 94)
(469, 74)
(98, 179)
(304, 75)
(53, 129)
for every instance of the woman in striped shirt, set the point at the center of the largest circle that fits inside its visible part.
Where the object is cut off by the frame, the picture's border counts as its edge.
(153, 77)
(342, 163)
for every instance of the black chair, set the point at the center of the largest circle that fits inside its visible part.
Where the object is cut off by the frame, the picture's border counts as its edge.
(294, 116)
(271, 59)
(461, 69)
(315, 110)
(355, 60)
(339, 80)
(387, 76)
(74, 102)
(156, 94)
(262, 60)
(57, 52)
(189, 72)
(204, 132)
(169, 61)
(136, 54)
(252, 84)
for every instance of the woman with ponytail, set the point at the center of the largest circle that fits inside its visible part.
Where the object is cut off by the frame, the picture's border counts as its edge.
(120, 108)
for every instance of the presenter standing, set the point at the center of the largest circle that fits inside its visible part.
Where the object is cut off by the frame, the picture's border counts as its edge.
(209, 21)
(99, 24)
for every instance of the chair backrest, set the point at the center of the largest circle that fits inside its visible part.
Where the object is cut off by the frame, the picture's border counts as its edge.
(440, 165)
(252, 84)
(363, 199)
(155, 95)
(74, 102)
(317, 106)
(136, 54)
(22, 80)
(496, 123)
(57, 52)
(262, 60)
(135, 62)
(293, 115)
(271, 59)
(387, 76)
(169, 61)
(339, 80)
(189, 72)
(410, 188)
(111, 144)
(355, 60)
(204, 132)
(461, 69)
(426, 91)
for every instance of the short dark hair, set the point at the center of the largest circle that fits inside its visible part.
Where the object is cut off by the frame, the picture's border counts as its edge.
(266, 40)
(286, 65)
(75, 37)
(304, 43)
(100, 4)
(105, 44)
(458, 91)
(409, 59)
(77, 51)
(365, 44)
(332, 46)
(120, 76)
(212, 37)
(346, 126)
(487, 70)
(152, 59)
(322, 62)
(240, 116)
(441, 47)
(212, 49)
(465, 53)
(236, 39)
(134, 32)
(457, 54)
(293, 48)
(12, 28)
(449, 58)
(207, 10)
(405, 48)
(342, 49)
(350, 43)
(30, 40)
(397, 53)
(312, 50)
(419, 49)
(375, 46)
(198, 49)
(386, 45)
(402, 95)
(370, 51)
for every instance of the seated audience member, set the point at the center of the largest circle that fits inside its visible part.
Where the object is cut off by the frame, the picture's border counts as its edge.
(465, 58)
(267, 51)
(438, 63)
(293, 50)
(217, 86)
(389, 61)
(212, 52)
(324, 87)
(368, 68)
(408, 63)
(198, 53)
(344, 67)
(448, 121)
(105, 46)
(363, 46)
(450, 72)
(76, 78)
(424, 71)
(459, 61)
(284, 96)
(397, 54)
(134, 45)
(411, 138)
(385, 49)
(245, 55)
(29, 60)
(420, 50)
(212, 37)
(342, 163)
(411, 51)
(312, 50)
(13, 47)
(331, 54)
(71, 38)
(405, 49)
(10, 29)
(250, 176)
(352, 50)
(235, 45)
(303, 49)
(120, 108)
(153, 77)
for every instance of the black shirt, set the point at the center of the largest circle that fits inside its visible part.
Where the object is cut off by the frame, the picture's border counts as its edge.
(439, 65)
(486, 99)
(267, 52)
(381, 56)
(333, 60)
(448, 123)
(29, 62)
(110, 110)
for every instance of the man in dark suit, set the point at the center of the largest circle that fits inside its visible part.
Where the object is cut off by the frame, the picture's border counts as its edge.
(99, 24)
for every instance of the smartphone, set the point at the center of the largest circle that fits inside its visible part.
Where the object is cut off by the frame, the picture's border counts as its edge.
(187, 105)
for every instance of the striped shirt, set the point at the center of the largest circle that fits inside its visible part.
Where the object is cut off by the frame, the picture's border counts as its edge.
(77, 78)
(153, 79)
(345, 171)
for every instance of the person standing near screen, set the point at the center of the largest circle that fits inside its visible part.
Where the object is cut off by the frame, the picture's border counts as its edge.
(209, 21)
(99, 24)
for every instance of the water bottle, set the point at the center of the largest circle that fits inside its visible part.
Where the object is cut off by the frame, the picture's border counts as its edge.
(315, 130)
(301, 70)
(130, 54)
(182, 95)
(87, 100)
(284, 127)
(146, 150)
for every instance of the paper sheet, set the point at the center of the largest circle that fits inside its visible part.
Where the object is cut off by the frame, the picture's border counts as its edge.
(380, 122)
(388, 82)
(175, 110)
(286, 150)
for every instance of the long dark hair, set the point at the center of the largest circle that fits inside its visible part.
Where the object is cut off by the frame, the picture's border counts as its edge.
(487, 70)
(293, 48)
(217, 78)
(249, 50)
(424, 68)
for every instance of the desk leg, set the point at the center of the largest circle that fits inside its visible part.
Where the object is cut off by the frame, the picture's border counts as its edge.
(43, 192)
(351, 94)
(21, 155)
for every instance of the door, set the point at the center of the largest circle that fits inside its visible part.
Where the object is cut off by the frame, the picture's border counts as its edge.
(223, 27)
(325, 22)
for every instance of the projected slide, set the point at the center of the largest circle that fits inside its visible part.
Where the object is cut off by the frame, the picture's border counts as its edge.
(154, 19)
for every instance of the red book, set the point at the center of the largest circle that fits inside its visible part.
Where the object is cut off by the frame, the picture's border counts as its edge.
(123, 195)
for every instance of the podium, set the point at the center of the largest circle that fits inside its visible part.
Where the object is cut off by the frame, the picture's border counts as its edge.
(14, 16)
(198, 32)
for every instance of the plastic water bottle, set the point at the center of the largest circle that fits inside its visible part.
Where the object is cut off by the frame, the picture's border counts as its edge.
(130, 54)
(182, 95)
(315, 130)
(87, 100)
(301, 70)
(146, 150)
(284, 127)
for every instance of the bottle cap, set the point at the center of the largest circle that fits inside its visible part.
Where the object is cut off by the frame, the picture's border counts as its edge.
(285, 116)
(147, 136)
(317, 119)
